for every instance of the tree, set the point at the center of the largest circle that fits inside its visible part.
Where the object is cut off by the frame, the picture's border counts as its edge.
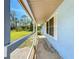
(25, 23)
(13, 19)
(31, 26)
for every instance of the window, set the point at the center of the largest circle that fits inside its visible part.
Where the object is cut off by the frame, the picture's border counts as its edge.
(50, 27)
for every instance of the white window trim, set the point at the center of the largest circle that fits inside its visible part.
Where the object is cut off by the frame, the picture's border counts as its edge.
(55, 29)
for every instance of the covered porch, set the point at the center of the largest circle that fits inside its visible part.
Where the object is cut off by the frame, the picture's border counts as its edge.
(43, 50)
(48, 45)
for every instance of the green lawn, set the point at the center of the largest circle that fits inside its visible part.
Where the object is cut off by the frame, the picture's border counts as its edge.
(14, 35)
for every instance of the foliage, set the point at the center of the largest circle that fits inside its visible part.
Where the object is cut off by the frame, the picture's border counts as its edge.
(22, 24)
(39, 30)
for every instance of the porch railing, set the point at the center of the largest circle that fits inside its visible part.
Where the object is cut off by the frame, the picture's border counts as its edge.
(12, 46)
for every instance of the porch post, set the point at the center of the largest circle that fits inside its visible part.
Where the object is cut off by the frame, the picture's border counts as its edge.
(34, 38)
(6, 28)
(36, 34)
(35, 30)
(33, 26)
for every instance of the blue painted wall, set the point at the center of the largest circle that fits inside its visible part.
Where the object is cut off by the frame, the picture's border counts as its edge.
(65, 30)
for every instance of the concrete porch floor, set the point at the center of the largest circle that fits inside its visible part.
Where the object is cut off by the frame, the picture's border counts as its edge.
(43, 51)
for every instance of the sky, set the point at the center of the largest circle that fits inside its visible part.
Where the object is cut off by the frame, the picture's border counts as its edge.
(14, 5)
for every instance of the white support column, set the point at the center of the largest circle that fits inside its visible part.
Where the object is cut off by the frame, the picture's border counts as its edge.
(36, 35)
(35, 41)
(35, 30)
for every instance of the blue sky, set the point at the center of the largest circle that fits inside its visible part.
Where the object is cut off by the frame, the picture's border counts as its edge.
(14, 5)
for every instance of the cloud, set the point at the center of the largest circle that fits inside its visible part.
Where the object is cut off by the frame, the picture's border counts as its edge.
(17, 10)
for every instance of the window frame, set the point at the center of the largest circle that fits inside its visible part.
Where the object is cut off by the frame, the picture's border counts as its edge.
(55, 28)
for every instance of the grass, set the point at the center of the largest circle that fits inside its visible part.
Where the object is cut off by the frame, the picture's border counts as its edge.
(14, 35)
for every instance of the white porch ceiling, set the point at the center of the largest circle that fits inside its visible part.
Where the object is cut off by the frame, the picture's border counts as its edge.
(43, 9)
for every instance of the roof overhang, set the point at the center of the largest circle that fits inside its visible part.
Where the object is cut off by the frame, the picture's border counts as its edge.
(40, 10)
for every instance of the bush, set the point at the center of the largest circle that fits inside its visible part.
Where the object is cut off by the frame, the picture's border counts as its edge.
(39, 33)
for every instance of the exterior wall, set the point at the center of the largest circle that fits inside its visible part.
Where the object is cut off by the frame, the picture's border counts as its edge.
(65, 30)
